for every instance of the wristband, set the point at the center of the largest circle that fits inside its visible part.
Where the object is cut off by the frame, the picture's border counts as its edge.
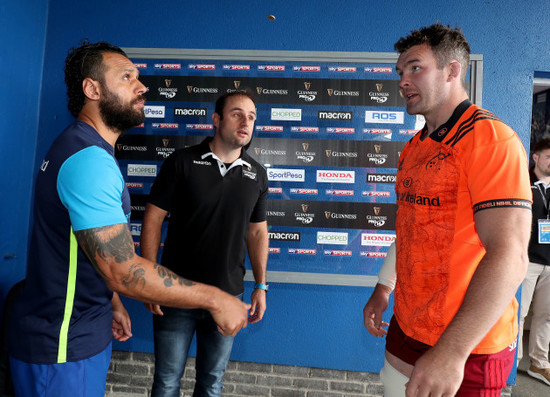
(265, 287)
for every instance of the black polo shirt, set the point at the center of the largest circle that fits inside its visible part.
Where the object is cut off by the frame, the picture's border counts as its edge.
(210, 209)
(539, 253)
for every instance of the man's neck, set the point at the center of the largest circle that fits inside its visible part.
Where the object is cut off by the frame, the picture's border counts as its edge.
(543, 178)
(444, 112)
(97, 123)
(225, 154)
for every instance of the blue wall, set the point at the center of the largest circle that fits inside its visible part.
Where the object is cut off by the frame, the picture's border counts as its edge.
(22, 40)
(305, 325)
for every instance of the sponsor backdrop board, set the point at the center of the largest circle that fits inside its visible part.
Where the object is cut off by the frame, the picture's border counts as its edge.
(329, 132)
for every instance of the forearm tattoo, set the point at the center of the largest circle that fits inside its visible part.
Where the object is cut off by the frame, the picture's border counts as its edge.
(135, 277)
(114, 243)
(105, 244)
(170, 277)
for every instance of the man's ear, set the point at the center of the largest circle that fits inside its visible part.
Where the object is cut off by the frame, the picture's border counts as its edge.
(455, 70)
(91, 89)
(216, 119)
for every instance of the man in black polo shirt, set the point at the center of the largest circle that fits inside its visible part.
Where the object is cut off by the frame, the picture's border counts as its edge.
(216, 195)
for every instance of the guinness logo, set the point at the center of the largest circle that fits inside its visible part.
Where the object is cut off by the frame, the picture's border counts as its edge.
(237, 84)
(304, 207)
(259, 90)
(168, 83)
(119, 146)
(257, 150)
(305, 146)
(379, 87)
(327, 214)
(165, 141)
(376, 210)
(330, 91)
(398, 154)
(377, 148)
(307, 85)
(328, 152)
(190, 89)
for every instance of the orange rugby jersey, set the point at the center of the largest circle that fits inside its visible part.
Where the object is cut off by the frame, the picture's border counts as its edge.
(471, 163)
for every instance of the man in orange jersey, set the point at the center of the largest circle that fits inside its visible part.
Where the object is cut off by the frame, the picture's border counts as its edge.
(463, 225)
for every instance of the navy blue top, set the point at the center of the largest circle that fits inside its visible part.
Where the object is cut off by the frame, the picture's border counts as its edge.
(64, 312)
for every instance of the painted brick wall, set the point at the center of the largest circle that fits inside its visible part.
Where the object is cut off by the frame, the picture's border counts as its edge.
(131, 375)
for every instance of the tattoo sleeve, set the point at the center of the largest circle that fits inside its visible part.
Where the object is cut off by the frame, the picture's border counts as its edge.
(169, 277)
(107, 244)
(114, 244)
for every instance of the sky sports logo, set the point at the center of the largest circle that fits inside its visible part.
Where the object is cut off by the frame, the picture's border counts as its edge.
(154, 112)
(201, 66)
(303, 191)
(236, 67)
(272, 68)
(337, 253)
(167, 66)
(270, 128)
(286, 175)
(286, 114)
(306, 68)
(302, 251)
(384, 117)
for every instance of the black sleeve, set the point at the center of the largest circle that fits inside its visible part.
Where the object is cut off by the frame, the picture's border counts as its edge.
(259, 214)
(164, 186)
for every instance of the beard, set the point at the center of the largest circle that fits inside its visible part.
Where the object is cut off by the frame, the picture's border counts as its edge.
(118, 115)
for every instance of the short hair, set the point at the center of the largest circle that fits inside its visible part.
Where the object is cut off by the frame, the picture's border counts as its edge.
(541, 145)
(446, 43)
(220, 102)
(82, 62)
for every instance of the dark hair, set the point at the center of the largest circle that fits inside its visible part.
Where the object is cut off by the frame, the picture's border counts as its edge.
(445, 42)
(82, 62)
(220, 102)
(541, 145)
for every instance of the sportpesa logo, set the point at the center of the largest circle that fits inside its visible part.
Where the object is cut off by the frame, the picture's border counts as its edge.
(286, 174)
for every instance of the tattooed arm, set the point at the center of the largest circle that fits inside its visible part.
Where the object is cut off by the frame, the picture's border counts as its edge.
(111, 251)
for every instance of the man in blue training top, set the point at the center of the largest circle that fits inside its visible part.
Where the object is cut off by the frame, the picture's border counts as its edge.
(82, 254)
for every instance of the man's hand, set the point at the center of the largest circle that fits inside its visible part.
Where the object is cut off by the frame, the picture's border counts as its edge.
(154, 308)
(436, 374)
(231, 315)
(259, 305)
(375, 307)
(122, 326)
